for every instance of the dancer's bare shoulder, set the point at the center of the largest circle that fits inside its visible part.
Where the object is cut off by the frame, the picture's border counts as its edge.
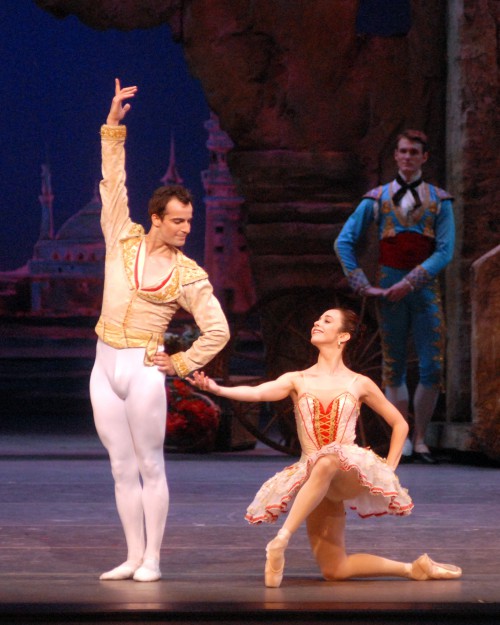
(365, 386)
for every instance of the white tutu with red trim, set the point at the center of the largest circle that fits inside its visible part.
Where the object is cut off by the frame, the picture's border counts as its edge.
(383, 494)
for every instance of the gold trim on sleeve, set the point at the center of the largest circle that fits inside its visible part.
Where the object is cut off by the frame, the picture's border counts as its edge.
(113, 132)
(180, 365)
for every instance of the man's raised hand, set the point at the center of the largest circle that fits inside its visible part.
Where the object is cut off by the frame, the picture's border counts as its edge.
(118, 110)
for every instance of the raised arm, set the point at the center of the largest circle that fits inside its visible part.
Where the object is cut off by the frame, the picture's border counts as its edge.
(268, 391)
(115, 215)
(118, 110)
(372, 396)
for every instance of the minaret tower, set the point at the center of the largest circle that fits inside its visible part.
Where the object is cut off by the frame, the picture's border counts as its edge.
(171, 176)
(46, 199)
(226, 253)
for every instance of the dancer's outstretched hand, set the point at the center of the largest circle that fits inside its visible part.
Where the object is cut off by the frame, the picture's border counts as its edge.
(118, 110)
(203, 382)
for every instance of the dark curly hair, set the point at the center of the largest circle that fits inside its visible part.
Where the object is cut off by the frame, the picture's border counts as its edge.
(162, 196)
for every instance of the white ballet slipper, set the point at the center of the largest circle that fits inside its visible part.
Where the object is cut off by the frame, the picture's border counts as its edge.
(149, 571)
(125, 570)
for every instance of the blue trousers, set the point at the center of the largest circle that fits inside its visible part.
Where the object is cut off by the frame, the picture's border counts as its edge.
(420, 314)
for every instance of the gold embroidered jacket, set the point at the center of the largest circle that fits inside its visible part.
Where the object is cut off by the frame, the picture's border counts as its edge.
(135, 317)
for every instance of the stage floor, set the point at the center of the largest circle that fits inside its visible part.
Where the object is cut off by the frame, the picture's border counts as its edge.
(60, 530)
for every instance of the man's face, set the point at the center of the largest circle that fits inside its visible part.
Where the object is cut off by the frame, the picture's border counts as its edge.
(409, 157)
(176, 223)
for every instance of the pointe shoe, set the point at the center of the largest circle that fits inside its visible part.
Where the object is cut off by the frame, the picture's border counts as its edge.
(275, 550)
(123, 571)
(424, 568)
(149, 571)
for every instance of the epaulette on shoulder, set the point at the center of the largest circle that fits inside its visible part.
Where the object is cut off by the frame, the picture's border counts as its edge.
(135, 230)
(189, 270)
(374, 194)
(442, 194)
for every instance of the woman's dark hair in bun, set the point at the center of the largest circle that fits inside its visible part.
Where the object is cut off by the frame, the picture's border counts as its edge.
(351, 324)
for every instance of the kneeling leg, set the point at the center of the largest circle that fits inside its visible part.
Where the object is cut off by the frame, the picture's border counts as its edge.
(326, 531)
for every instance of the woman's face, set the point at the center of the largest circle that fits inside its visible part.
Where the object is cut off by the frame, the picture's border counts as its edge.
(327, 328)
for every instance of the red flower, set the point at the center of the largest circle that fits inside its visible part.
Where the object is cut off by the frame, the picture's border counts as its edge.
(181, 388)
(192, 418)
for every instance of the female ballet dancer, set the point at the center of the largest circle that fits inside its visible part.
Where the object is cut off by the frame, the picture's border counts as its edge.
(333, 471)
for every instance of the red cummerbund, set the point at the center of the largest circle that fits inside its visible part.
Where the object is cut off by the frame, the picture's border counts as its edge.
(406, 250)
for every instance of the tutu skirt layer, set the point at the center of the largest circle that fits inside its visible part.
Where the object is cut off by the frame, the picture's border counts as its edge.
(382, 494)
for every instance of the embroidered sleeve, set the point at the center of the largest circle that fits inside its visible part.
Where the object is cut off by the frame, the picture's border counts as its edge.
(418, 277)
(346, 243)
(358, 281)
(113, 132)
(181, 365)
(115, 211)
(198, 299)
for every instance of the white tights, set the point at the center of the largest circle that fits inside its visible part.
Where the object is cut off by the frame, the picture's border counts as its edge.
(130, 410)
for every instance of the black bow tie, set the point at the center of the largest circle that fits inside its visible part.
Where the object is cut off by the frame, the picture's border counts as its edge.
(398, 196)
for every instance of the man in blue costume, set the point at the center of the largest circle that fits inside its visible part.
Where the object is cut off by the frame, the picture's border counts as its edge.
(416, 234)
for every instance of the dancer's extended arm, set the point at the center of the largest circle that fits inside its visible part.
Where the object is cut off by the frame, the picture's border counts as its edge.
(268, 391)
